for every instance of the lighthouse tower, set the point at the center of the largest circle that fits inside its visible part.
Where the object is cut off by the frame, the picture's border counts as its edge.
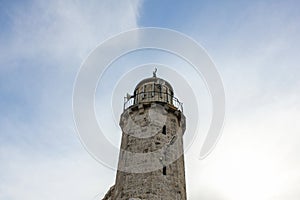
(151, 161)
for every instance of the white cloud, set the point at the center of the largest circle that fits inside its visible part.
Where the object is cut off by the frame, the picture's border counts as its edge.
(40, 155)
(38, 175)
(258, 153)
(59, 29)
(255, 159)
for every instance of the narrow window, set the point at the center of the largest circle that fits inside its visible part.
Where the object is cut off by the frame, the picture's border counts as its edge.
(164, 170)
(152, 90)
(167, 94)
(144, 92)
(135, 97)
(160, 91)
(164, 130)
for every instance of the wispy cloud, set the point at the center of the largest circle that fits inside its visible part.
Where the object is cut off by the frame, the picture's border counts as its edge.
(257, 58)
(254, 44)
(42, 46)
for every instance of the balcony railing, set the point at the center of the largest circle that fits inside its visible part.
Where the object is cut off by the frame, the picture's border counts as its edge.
(153, 96)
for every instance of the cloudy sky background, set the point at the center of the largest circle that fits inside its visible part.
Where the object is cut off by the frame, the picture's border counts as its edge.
(254, 44)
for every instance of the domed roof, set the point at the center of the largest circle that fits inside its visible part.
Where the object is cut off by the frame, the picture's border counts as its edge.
(154, 80)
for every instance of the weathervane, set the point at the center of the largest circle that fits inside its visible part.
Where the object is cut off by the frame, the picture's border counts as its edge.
(154, 72)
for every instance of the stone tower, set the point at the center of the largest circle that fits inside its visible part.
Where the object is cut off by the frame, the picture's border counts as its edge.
(151, 161)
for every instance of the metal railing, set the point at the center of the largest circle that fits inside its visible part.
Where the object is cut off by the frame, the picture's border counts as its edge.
(153, 96)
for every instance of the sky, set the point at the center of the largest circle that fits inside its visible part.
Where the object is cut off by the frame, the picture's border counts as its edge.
(254, 45)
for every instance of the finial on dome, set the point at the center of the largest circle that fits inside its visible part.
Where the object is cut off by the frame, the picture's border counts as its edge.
(154, 72)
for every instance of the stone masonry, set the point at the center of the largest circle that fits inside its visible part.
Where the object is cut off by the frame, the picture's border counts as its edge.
(151, 161)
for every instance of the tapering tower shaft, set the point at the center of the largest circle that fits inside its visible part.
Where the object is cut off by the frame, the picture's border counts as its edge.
(151, 160)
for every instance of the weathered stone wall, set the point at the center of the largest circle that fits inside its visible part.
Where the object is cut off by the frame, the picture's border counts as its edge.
(146, 149)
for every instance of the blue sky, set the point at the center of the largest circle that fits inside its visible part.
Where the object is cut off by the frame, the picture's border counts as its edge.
(254, 44)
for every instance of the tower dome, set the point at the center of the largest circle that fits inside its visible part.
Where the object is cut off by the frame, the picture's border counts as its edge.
(152, 90)
(154, 80)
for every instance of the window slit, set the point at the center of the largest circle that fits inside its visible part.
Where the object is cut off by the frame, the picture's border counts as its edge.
(164, 131)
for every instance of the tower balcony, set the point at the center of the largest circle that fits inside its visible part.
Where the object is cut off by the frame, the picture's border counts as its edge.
(146, 96)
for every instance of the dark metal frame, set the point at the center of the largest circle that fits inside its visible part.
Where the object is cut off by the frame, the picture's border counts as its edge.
(151, 96)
